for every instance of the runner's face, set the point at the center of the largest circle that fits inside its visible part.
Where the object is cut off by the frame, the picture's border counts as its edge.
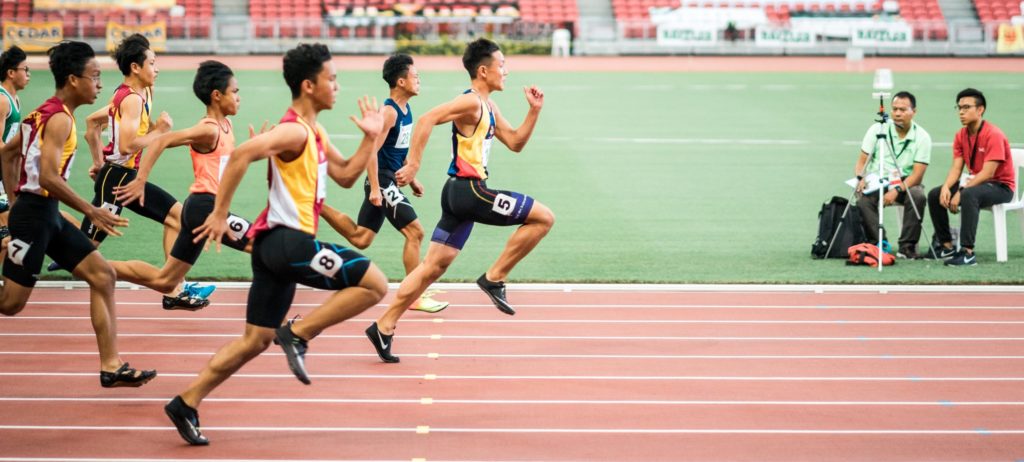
(496, 71)
(902, 113)
(148, 71)
(20, 76)
(325, 88)
(230, 100)
(87, 86)
(411, 82)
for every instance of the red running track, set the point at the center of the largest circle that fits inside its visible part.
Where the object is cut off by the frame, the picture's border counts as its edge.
(592, 375)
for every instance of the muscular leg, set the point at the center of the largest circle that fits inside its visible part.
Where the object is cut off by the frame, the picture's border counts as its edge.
(413, 233)
(164, 280)
(438, 258)
(100, 277)
(344, 304)
(172, 225)
(356, 235)
(13, 297)
(523, 240)
(227, 361)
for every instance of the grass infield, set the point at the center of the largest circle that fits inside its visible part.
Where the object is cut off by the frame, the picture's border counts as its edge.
(653, 177)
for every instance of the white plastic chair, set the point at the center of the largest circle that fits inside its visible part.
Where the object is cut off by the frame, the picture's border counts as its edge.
(1017, 203)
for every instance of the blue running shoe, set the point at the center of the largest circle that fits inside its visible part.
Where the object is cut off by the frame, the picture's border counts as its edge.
(199, 291)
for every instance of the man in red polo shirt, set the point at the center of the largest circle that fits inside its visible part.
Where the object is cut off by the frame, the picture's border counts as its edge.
(983, 148)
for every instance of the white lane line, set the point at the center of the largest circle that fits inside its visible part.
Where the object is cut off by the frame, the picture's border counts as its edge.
(592, 306)
(565, 337)
(527, 401)
(640, 431)
(434, 320)
(291, 377)
(885, 357)
(135, 459)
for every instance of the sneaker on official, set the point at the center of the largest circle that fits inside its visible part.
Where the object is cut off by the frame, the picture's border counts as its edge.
(962, 258)
(940, 252)
(908, 253)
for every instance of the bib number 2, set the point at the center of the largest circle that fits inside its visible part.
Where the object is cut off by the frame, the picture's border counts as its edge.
(392, 195)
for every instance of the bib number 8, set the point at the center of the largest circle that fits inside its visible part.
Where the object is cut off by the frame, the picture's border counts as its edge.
(504, 204)
(326, 263)
(237, 227)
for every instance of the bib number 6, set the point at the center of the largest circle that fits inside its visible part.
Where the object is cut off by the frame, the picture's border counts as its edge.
(326, 263)
(237, 227)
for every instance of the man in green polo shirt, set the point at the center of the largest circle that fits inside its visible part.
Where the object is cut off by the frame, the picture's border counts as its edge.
(912, 147)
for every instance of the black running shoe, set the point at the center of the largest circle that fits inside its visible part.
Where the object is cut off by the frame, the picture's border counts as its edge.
(53, 266)
(186, 420)
(126, 376)
(295, 350)
(495, 290)
(185, 301)
(940, 252)
(382, 343)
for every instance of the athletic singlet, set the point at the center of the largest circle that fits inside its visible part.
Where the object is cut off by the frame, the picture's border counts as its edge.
(13, 117)
(392, 153)
(470, 153)
(112, 152)
(32, 129)
(297, 188)
(209, 166)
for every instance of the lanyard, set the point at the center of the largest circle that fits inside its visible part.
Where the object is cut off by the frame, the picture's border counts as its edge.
(893, 147)
(977, 140)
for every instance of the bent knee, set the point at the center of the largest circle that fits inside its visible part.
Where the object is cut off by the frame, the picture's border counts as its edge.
(375, 282)
(12, 308)
(413, 231)
(542, 216)
(101, 277)
(259, 341)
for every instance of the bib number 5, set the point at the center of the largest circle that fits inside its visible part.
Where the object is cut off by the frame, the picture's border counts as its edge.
(504, 204)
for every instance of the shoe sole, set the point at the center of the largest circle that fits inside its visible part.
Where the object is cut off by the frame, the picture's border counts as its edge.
(380, 354)
(502, 306)
(437, 310)
(126, 384)
(185, 432)
(293, 360)
(205, 304)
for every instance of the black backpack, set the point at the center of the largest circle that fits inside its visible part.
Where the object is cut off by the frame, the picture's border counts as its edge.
(852, 232)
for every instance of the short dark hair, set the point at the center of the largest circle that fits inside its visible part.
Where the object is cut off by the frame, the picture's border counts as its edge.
(10, 59)
(907, 95)
(131, 50)
(979, 98)
(69, 58)
(211, 75)
(303, 63)
(396, 67)
(478, 52)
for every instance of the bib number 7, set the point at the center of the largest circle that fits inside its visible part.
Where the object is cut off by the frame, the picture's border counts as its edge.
(16, 251)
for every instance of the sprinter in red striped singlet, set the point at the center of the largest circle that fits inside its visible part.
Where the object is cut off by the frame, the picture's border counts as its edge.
(285, 250)
(48, 140)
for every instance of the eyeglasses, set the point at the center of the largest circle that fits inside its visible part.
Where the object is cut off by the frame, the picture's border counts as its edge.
(95, 78)
(964, 107)
(26, 69)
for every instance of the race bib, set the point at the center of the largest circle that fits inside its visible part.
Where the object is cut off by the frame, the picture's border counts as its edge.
(404, 136)
(504, 205)
(113, 208)
(16, 251)
(237, 227)
(326, 263)
(392, 195)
